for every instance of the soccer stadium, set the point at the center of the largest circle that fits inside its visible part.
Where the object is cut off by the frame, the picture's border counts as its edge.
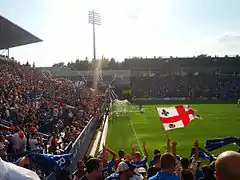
(142, 118)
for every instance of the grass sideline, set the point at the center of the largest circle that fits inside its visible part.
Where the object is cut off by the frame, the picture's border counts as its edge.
(219, 120)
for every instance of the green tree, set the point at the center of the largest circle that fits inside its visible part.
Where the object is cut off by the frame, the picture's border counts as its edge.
(104, 63)
(61, 64)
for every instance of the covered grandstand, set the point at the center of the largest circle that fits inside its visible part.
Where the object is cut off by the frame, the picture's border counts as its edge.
(12, 35)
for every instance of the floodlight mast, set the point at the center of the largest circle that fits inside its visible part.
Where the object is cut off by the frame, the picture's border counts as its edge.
(94, 18)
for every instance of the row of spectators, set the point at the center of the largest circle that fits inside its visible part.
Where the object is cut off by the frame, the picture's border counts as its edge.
(164, 166)
(221, 87)
(39, 111)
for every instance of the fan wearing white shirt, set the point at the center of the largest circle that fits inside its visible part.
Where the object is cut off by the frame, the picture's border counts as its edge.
(34, 143)
(10, 171)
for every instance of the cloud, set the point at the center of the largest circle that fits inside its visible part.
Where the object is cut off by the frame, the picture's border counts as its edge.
(229, 38)
(223, 44)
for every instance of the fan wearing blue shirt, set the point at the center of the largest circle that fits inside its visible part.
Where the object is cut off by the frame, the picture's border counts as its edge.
(108, 166)
(168, 162)
(137, 157)
(152, 162)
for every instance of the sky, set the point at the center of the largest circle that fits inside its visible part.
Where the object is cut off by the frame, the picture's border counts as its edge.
(129, 28)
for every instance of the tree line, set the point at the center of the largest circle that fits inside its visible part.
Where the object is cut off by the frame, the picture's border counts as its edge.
(202, 60)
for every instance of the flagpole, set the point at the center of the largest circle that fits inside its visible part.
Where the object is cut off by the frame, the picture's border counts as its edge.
(166, 133)
(163, 127)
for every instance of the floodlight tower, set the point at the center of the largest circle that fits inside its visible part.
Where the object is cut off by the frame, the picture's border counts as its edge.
(94, 18)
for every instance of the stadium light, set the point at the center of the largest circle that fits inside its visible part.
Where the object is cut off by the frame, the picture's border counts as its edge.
(94, 18)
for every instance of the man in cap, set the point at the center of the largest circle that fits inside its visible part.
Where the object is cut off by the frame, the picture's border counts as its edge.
(137, 161)
(125, 171)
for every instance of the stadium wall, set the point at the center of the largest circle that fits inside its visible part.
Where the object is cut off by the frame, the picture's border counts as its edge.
(104, 134)
(82, 143)
(179, 100)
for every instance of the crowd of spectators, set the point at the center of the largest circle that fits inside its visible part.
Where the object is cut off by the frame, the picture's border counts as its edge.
(190, 86)
(39, 112)
(164, 166)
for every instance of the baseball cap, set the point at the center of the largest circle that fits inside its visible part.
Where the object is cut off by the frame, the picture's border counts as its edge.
(21, 134)
(141, 170)
(122, 166)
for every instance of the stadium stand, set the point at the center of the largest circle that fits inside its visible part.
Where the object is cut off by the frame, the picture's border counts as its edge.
(39, 112)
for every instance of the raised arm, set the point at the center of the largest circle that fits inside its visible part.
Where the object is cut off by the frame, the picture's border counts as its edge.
(133, 151)
(196, 145)
(174, 148)
(194, 163)
(114, 155)
(178, 169)
(168, 144)
(145, 150)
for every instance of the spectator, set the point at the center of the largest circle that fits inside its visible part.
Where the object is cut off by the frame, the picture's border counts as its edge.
(184, 161)
(10, 149)
(10, 171)
(34, 142)
(208, 173)
(53, 144)
(3, 145)
(137, 157)
(187, 175)
(124, 172)
(121, 155)
(16, 140)
(136, 175)
(107, 165)
(142, 171)
(93, 169)
(152, 171)
(22, 142)
(68, 135)
(80, 172)
(228, 166)
(167, 168)
(156, 151)
(199, 173)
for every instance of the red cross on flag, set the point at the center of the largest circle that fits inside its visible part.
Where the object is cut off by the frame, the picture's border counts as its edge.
(176, 117)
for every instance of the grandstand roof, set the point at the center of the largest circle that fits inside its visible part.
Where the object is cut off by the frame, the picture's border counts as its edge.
(11, 35)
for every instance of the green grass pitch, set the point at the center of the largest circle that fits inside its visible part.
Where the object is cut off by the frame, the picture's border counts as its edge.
(218, 120)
